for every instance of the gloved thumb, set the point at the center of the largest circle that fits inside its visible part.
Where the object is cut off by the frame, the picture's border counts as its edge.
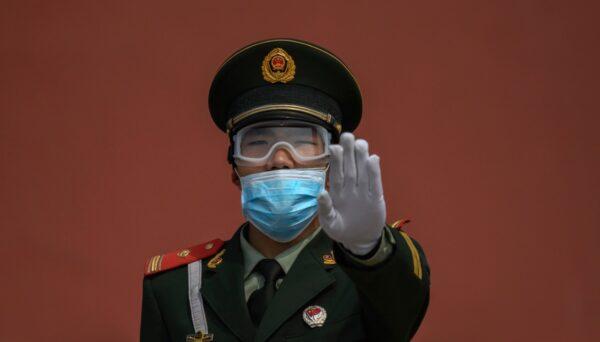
(325, 210)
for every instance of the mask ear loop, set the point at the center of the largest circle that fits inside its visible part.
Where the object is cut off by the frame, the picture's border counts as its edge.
(236, 172)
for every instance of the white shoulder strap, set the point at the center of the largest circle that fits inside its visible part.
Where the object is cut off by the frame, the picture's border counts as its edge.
(196, 304)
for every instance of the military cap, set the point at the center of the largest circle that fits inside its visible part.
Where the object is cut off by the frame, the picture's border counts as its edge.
(285, 79)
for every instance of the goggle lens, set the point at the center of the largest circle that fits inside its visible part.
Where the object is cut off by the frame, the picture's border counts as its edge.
(255, 144)
(306, 141)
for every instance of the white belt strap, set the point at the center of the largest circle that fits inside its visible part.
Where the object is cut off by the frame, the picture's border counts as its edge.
(196, 304)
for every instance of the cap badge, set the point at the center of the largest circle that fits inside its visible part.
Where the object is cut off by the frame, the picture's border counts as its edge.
(278, 66)
(314, 316)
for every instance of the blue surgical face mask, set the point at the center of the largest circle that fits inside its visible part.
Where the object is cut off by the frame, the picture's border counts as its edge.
(282, 203)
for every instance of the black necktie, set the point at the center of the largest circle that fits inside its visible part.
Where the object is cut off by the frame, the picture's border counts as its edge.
(259, 300)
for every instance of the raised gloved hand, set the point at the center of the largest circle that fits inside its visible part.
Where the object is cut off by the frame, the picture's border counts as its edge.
(353, 211)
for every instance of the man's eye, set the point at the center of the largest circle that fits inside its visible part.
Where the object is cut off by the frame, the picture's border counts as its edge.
(305, 142)
(257, 143)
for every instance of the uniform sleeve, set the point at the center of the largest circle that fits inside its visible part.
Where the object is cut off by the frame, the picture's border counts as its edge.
(152, 326)
(381, 253)
(394, 293)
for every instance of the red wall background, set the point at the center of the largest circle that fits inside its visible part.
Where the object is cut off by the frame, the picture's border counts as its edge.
(484, 113)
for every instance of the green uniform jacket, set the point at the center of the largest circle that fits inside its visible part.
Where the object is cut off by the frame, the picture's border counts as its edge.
(385, 302)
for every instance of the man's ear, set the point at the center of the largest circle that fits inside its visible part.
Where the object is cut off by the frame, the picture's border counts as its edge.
(235, 179)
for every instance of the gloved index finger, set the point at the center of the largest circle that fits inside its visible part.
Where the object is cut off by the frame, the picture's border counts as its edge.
(336, 172)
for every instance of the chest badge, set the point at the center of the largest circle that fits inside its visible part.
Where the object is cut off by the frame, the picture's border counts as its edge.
(328, 259)
(314, 316)
(199, 337)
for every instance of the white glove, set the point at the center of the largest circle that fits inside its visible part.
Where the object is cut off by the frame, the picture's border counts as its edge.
(353, 211)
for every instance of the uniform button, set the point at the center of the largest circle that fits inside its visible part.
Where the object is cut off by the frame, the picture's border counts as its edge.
(209, 245)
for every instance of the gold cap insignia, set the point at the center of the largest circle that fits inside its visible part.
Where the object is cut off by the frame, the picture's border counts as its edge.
(278, 66)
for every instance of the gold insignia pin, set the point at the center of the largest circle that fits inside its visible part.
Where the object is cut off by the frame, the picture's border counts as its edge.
(328, 259)
(216, 260)
(183, 253)
(278, 66)
(199, 337)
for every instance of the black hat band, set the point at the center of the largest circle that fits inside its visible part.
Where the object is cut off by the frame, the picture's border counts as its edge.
(327, 118)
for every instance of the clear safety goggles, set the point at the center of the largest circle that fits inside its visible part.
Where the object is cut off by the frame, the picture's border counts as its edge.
(255, 144)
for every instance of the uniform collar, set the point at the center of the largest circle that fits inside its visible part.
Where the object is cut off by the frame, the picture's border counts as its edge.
(285, 259)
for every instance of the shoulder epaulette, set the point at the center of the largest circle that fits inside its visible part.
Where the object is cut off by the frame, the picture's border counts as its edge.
(418, 270)
(163, 262)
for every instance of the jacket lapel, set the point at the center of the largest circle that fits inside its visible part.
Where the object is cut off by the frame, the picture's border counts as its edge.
(223, 289)
(306, 279)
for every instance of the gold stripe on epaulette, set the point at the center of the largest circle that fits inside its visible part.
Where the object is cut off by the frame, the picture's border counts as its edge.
(151, 264)
(415, 255)
(155, 263)
(159, 265)
(149, 269)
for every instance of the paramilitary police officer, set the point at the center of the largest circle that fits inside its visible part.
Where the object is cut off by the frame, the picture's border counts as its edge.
(315, 261)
